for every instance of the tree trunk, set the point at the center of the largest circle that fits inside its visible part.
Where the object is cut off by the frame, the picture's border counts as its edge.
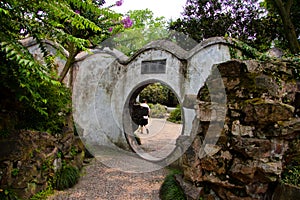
(289, 29)
(70, 61)
(292, 37)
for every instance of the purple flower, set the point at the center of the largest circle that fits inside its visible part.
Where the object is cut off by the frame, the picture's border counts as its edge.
(119, 3)
(127, 22)
(77, 11)
(110, 29)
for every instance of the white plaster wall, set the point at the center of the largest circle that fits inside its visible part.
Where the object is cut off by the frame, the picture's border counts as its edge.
(103, 85)
(84, 97)
(133, 78)
(106, 78)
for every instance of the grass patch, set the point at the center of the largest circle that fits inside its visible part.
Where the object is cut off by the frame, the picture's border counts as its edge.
(170, 189)
(44, 194)
(67, 178)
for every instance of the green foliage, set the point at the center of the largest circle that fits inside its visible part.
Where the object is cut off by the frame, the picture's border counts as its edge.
(24, 76)
(28, 87)
(58, 106)
(146, 28)
(170, 189)
(145, 18)
(8, 194)
(175, 115)
(244, 20)
(292, 175)
(159, 93)
(286, 14)
(15, 171)
(158, 110)
(73, 151)
(74, 24)
(67, 177)
(43, 194)
(248, 52)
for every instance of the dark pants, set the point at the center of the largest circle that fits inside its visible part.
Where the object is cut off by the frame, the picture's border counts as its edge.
(144, 122)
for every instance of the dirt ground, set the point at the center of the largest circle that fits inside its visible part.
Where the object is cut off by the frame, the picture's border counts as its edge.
(99, 182)
(102, 183)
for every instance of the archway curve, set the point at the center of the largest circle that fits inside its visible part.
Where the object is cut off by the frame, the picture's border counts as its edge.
(104, 83)
(129, 126)
(101, 63)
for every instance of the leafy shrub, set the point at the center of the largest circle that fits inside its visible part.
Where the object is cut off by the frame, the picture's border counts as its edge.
(58, 106)
(170, 189)
(175, 115)
(8, 194)
(31, 98)
(291, 175)
(43, 194)
(157, 110)
(67, 177)
(159, 93)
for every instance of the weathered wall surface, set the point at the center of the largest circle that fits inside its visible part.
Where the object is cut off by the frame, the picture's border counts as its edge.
(106, 81)
(259, 138)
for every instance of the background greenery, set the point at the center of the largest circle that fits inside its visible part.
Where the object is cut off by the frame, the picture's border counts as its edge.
(260, 24)
(170, 188)
(32, 93)
(159, 93)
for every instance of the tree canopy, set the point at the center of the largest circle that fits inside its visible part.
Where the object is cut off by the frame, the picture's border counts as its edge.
(253, 22)
(31, 87)
(286, 13)
(146, 28)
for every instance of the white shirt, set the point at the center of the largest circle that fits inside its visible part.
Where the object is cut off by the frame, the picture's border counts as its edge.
(146, 106)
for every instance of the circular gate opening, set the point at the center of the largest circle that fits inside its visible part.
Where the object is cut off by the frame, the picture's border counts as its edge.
(156, 140)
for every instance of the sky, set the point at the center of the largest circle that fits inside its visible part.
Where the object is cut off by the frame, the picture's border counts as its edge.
(167, 8)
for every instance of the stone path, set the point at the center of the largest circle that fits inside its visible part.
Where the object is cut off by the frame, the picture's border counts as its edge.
(161, 140)
(100, 182)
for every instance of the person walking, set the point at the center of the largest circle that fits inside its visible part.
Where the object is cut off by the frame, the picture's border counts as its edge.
(145, 117)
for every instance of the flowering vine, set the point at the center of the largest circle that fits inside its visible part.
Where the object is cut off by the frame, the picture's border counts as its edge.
(127, 22)
(119, 3)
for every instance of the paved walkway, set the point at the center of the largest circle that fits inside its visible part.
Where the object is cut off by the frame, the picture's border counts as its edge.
(161, 140)
(99, 182)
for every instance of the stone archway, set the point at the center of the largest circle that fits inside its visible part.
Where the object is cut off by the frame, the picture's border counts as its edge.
(106, 80)
(152, 146)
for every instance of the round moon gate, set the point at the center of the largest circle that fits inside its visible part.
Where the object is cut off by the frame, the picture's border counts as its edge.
(107, 81)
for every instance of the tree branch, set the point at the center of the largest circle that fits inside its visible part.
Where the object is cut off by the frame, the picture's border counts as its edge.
(288, 6)
(70, 60)
(280, 7)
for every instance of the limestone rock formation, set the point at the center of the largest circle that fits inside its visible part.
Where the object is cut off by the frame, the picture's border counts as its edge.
(30, 159)
(254, 145)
